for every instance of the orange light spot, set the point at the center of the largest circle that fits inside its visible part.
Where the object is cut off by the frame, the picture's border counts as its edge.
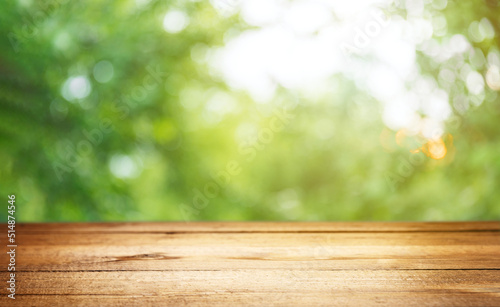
(400, 137)
(436, 149)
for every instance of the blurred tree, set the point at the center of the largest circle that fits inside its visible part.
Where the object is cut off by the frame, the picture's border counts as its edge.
(108, 111)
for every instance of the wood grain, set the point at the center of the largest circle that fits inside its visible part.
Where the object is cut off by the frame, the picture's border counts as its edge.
(256, 264)
(254, 227)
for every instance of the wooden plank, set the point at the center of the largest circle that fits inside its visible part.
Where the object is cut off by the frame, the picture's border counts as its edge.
(265, 239)
(118, 251)
(287, 287)
(256, 264)
(248, 281)
(253, 227)
(419, 299)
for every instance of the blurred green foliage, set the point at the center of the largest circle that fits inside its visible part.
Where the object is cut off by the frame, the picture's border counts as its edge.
(334, 160)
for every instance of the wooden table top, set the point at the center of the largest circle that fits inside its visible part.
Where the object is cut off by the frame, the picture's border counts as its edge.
(255, 264)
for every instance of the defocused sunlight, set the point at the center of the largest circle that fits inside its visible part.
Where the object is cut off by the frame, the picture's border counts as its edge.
(147, 110)
(301, 43)
(436, 149)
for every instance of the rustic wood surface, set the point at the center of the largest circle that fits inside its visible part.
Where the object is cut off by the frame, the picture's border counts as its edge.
(256, 264)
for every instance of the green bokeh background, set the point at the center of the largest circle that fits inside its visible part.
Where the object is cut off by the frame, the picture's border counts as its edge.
(357, 173)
